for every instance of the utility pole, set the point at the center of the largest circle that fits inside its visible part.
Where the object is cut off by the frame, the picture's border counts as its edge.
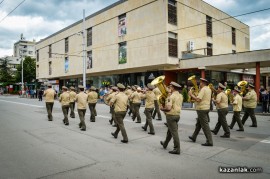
(84, 54)
(22, 74)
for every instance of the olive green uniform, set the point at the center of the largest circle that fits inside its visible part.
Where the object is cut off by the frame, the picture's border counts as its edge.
(81, 100)
(202, 109)
(172, 117)
(64, 99)
(237, 107)
(222, 110)
(136, 101)
(156, 110)
(49, 100)
(149, 107)
(72, 96)
(109, 98)
(250, 104)
(92, 101)
(120, 102)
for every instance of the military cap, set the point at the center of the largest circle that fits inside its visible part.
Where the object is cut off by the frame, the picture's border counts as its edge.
(119, 85)
(114, 88)
(175, 84)
(93, 88)
(49, 84)
(221, 86)
(204, 80)
(251, 85)
(64, 87)
(136, 86)
(149, 86)
(72, 88)
(139, 89)
(133, 87)
(237, 90)
(128, 87)
(81, 87)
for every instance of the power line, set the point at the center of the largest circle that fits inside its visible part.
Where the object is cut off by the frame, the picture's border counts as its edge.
(2, 1)
(12, 10)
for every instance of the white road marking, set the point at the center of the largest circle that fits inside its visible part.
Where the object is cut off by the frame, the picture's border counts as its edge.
(265, 141)
(23, 104)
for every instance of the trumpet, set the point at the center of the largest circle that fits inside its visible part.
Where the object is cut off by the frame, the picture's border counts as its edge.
(159, 82)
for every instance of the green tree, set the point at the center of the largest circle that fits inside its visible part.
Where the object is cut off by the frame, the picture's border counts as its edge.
(5, 72)
(29, 70)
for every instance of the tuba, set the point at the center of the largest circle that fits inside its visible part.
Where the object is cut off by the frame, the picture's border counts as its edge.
(161, 86)
(195, 89)
(242, 85)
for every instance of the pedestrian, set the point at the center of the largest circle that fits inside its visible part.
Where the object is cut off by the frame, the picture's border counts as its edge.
(72, 96)
(221, 102)
(156, 110)
(149, 97)
(64, 99)
(237, 108)
(250, 103)
(202, 106)
(172, 110)
(81, 99)
(120, 102)
(136, 101)
(265, 99)
(49, 95)
(40, 93)
(92, 101)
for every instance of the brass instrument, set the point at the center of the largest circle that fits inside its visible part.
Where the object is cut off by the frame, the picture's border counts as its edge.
(158, 82)
(243, 86)
(214, 91)
(195, 89)
(105, 99)
(229, 94)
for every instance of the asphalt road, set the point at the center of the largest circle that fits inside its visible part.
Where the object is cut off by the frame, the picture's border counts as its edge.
(33, 147)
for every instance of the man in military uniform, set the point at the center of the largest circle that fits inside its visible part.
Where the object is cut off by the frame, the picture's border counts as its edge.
(172, 109)
(128, 92)
(156, 110)
(92, 101)
(49, 100)
(136, 101)
(81, 99)
(221, 102)
(131, 106)
(237, 107)
(149, 107)
(202, 107)
(250, 103)
(72, 96)
(120, 102)
(64, 99)
(108, 100)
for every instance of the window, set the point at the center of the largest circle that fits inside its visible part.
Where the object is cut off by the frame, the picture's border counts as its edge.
(233, 36)
(66, 45)
(30, 52)
(37, 55)
(89, 37)
(173, 50)
(66, 64)
(209, 49)
(89, 60)
(233, 51)
(50, 51)
(122, 53)
(209, 26)
(50, 68)
(37, 70)
(122, 28)
(172, 12)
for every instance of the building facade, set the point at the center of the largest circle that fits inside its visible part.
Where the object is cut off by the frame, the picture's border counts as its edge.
(24, 48)
(133, 41)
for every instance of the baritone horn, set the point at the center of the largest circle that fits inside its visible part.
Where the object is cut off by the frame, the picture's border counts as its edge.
(243, 86)
(159, 82)
(229, 94)
(195, 89)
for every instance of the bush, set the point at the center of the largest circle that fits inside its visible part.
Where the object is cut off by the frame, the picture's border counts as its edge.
(185, 95)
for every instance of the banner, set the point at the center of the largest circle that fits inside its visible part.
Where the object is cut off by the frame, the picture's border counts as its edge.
(122, 29)
(122, 53)
(89, 60)
(66, 65)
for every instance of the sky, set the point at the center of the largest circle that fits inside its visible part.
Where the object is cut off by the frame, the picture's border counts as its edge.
(37, 19)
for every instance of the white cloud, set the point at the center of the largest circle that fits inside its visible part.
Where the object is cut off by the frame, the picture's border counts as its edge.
(222, 4)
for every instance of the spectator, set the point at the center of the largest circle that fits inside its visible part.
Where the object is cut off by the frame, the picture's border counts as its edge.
(265, 100)
(40, 94)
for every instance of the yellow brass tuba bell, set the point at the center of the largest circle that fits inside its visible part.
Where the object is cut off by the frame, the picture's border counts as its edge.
(159, 82)
(229, 94)
(214, 91)
(195, 89)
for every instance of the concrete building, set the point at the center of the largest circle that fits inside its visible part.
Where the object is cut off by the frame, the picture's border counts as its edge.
(24, 48)
(133, 41)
